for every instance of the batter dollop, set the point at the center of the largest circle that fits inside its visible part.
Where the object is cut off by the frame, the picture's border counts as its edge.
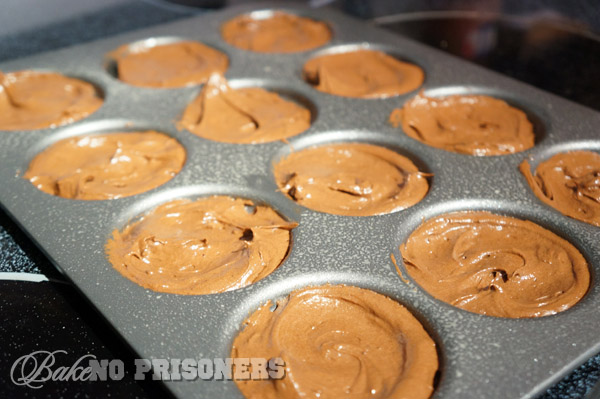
(496, 265)
(339, 342)
(247, 115)
(210, 245)
(473, 125)
(37, 100)
(362, 74)
(278, 32)
(570, 183)
(106, 166)
(351, 179)
(171, 65)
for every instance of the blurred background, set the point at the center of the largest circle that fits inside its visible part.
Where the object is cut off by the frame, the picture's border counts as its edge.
(542, 42)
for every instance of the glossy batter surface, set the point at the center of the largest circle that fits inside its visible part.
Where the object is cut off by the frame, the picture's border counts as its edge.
(277, 33)
(362, 74)
(106, 166)
(351, 179)
(473, 125)
(570, 183)
(172, 65)
(339, 342)
(210, 245)
(247, 115)
(496, 265)
(36, 100)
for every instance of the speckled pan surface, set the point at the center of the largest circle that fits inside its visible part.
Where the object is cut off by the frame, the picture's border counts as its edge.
(481, 356)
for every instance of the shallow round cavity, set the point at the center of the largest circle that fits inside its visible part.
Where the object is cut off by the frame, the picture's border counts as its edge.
(535, 157)
(536, 114)
(339, 313)
(200, 240)
(271, 31)
(111, 58)
(247, 111)
(565, 178)
(287, 92)
(349, 136)
(219, 62)
(494, 117)
(492, 265)
(191, 192)
(104, 126)
(61, 101)
(350, 173)
(102, 160)
(363, 71)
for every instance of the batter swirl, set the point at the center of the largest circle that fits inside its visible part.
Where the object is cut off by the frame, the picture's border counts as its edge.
(495, 265)
(247, 115)
(106, 166)
(36, 100)
(351, 179)
(277, 33)
(474, 125)
(362, 74)
(570, 183)
(210, 245)
(170, 65)
(339, 342)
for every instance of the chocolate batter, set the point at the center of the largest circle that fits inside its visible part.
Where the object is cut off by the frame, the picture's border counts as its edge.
(570, 183)
(247, 115)
(106, 166)
(169, 65)
(278, 33)
(36, 100)
(210, 245)
(496, 265)
(474, 125)
(362, 74)
(351, 179)
(339, 342)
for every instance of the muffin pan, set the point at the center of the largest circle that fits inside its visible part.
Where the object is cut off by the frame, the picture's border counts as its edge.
(480, 356)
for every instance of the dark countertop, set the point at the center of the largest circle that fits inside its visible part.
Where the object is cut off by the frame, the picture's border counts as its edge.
(539, 42)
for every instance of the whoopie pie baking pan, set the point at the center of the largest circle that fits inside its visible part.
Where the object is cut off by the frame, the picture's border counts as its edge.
(481, 356)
